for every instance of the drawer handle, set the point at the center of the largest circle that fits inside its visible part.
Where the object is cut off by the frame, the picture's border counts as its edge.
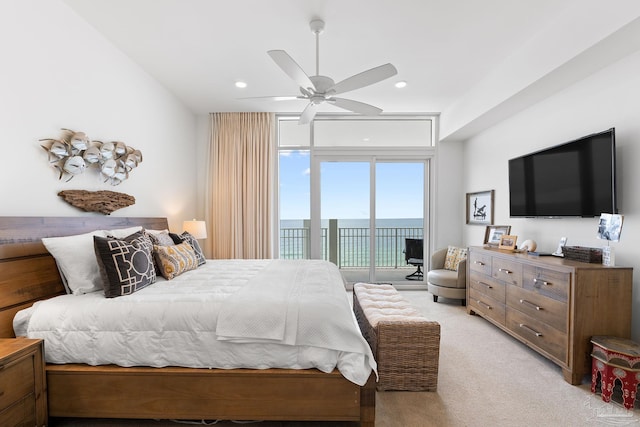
(529, 303)
(538, 334)
(479, 263)
(487, 306)
(488, 286)
(504, 270)
(544, 282)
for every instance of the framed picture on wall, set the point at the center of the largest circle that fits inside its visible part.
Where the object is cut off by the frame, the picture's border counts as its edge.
(493, 233)
(480, 207)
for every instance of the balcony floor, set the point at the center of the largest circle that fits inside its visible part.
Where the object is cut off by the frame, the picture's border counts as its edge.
(395, 276)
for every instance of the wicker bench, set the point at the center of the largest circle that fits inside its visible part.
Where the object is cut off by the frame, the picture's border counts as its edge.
(405, 344)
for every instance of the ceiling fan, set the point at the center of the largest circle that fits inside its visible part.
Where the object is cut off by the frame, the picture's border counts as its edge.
(319, 89)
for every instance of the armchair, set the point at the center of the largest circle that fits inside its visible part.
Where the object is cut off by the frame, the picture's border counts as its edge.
(448, 282)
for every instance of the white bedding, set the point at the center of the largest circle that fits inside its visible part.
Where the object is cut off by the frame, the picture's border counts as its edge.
(303, 304)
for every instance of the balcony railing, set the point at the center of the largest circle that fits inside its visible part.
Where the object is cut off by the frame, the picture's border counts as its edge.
(349, 247)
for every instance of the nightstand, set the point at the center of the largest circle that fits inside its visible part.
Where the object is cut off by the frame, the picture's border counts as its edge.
(23, 391)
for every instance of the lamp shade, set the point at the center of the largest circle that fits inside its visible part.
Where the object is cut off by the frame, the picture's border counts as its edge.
(197, 229)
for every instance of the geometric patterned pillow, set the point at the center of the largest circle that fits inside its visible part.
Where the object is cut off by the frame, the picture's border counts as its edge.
(454, 256)
(187, 237)
(126, 265)
(175, 260)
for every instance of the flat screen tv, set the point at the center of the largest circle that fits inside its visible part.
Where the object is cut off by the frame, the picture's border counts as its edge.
(574, 179)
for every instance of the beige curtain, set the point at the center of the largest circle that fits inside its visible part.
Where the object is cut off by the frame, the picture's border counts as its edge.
(238, 205)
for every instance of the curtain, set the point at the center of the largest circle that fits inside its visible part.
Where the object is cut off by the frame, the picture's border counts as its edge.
(239, 180)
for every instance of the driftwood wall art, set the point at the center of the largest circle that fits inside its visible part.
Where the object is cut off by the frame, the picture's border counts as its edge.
(103, 201)
(74, 152)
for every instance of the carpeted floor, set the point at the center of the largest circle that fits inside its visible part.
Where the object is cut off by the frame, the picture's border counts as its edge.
(486, 378)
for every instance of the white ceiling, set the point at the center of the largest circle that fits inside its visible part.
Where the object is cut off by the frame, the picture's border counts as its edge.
(443, 48)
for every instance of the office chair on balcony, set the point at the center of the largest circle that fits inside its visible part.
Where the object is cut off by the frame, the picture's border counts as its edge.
(413, 256)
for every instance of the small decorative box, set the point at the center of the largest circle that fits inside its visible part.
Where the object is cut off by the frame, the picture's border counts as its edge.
(582, 253)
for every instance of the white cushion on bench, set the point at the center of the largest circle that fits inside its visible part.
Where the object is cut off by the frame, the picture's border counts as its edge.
(383, 302)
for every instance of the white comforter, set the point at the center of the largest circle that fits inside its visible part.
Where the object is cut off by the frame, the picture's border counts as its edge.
(225, 314)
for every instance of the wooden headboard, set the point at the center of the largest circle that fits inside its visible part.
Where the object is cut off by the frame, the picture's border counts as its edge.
(28, 272)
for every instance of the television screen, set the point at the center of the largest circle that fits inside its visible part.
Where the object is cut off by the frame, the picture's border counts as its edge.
(572, 179)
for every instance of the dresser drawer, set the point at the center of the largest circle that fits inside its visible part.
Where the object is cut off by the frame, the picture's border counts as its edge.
(21, 413)
(538, 334)
(486, 306)
(550, 283)
(487, 286)
(480, 262)
(544, 309)
(16, 381)
(506, 270)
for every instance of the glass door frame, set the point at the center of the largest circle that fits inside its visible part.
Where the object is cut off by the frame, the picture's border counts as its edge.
(371, 156)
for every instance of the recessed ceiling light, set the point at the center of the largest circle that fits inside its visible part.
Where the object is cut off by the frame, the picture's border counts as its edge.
(401, 84)
(241, 85)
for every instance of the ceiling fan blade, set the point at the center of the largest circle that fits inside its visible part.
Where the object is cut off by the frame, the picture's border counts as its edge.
(308, 114)
(275, 98)
(291, 67)
(355, 106)
(365, 78)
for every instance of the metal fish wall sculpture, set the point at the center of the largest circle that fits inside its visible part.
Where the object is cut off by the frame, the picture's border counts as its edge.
(74, 152)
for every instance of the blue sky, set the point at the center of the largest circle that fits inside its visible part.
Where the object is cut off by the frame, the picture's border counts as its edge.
(345, 188)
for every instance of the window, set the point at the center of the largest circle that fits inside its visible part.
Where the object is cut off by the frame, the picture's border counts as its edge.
(338, 162)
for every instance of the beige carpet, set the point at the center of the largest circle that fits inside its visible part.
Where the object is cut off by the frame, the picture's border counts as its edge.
(486, 378)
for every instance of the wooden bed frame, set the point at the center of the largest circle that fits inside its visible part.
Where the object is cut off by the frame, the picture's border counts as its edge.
(28, 273)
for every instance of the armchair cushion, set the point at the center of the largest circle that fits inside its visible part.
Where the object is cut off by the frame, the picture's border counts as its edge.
(443, 278)
(454, 256)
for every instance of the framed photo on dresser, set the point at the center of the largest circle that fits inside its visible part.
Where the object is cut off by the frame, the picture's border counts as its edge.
(493, 233)
(508, 242)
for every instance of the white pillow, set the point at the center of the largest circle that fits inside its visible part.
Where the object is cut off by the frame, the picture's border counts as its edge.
(77, 261)
(121, 233)
(154, 232)
(76, 258)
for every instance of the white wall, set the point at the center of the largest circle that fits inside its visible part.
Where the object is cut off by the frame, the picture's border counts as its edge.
(606, 99)
(58, 72)
(449, 195)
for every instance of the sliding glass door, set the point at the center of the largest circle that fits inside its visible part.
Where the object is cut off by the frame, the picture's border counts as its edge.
(399, 215)
(370, 247)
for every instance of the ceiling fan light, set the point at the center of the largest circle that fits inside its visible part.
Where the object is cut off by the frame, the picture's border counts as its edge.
(401, 84)
(241, 84)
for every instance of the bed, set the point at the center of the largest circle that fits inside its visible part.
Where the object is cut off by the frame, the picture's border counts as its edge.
(28, 274)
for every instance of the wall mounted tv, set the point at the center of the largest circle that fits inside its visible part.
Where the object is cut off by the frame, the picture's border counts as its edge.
(574, 179)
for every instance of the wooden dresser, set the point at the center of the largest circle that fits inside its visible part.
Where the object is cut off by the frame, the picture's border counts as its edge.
(551, 304)
(23, 394)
